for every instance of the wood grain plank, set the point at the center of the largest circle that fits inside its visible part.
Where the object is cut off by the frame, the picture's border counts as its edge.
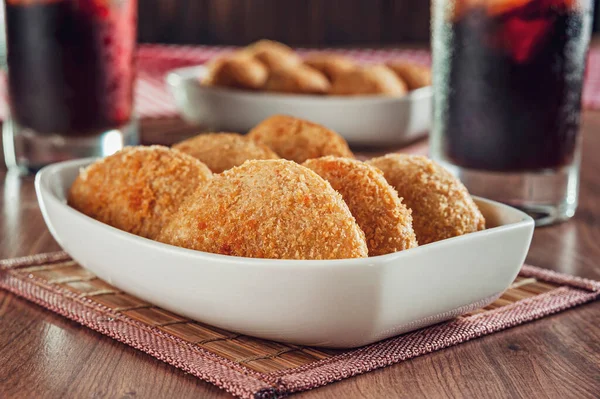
(46, 356)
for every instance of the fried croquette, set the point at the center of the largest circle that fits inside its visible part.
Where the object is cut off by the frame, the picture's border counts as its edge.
(273, 55)
(298, 140)
(299, 79)
(441, 205)
(222, 151)
(414, 75)
(138, 189)
(267, 209)
(331, 65)
(368, 80)
(378, 210)
(238, 70)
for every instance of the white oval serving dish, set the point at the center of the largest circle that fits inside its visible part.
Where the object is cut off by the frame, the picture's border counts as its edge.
(362, 120)
(333, 303)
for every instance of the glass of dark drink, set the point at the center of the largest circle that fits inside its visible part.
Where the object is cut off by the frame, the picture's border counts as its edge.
(70, 79)
(508, 77)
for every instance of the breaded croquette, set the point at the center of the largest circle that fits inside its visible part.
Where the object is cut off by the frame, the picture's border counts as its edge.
(368, 80)
(414, 75)
(331, 65)
(138, 189)
(441, 205)
(267, 209)
(273, 66)
(273, 55)
(238, 70)
(222, 151)
(300, 79)
(385, 220)
(298, 140)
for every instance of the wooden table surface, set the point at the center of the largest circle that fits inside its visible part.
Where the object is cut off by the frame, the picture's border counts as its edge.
(44, 355)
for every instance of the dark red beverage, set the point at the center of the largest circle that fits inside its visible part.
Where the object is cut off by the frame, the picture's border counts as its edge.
(512, 83)
(71, 64)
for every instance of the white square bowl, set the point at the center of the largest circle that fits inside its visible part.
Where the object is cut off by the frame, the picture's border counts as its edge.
(332, 303)
(361, 120)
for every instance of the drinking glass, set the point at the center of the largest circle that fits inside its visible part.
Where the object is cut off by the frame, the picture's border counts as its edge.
(70, 80)
(508, 77)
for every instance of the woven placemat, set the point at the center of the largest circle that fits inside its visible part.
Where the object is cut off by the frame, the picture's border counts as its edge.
(253, 368)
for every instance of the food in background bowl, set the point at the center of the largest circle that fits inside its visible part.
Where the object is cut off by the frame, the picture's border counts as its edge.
(414, 75)
(240, 70)
(332, 65)
(271, 66)
(372, 79)
(297, 79)
(273, 55)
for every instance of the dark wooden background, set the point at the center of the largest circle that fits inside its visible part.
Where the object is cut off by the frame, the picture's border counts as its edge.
(296, 22)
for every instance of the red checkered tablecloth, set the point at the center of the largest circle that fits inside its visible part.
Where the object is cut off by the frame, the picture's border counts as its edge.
(153, 100)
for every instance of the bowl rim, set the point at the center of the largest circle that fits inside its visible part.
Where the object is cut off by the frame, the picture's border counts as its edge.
(45, 194)
(191, 74)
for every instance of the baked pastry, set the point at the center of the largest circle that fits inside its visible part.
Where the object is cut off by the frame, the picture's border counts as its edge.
(380, 213)
(267, 209)
(298, 140)
(441, 205)
(222, 151)
(138, 189)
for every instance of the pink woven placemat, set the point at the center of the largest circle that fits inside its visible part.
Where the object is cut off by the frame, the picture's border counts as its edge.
(252, 368)
(153, 100)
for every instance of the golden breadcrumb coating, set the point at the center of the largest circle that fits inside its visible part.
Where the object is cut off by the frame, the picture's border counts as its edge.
(222, 151)
(299, 79)
(267, 209)
(414, 75)
(368, 80)
(330, 64)
(237, 70)
(138, 189)
(298, 140)
(441, 205)
(273, 55)
(375, 204)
